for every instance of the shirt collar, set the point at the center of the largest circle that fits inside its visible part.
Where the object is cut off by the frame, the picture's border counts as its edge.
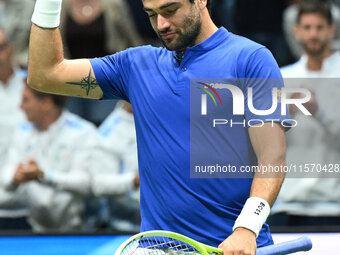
(327, 62)
(213, 41)
(56, 125)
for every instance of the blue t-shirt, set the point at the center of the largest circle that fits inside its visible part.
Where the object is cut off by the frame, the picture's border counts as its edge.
(158, 88)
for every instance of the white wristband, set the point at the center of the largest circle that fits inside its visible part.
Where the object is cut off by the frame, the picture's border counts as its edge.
(47, 13)
(253, 215)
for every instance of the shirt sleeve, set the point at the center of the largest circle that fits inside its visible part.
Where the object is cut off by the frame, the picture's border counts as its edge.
(112, 74)
(262, 87)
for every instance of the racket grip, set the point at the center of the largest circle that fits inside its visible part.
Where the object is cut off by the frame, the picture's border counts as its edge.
(301, 244)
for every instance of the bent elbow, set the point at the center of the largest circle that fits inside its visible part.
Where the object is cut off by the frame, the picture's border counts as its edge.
(36, 82)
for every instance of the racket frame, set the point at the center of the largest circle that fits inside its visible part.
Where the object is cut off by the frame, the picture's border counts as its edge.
(200, 247)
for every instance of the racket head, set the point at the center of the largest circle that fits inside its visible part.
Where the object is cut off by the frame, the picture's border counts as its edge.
(161, 242)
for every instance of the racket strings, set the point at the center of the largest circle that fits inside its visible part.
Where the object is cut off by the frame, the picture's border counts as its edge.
(159, 245)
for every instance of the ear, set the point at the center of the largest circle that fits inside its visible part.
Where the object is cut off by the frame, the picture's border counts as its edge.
(332, 30)
(202, 4)
(11, 50)
(297, 32)
(47, 103)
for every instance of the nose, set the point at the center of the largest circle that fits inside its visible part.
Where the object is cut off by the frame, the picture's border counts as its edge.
(313, 32)
(162, 23)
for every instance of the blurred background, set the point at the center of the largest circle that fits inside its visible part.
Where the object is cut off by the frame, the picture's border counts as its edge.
(72, 194)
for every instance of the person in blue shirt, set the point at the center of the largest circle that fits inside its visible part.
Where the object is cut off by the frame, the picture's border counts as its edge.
(172, 131)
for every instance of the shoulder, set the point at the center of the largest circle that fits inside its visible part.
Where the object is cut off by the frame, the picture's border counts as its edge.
(336, 57)
(147, 51)
(23, 132)
(242, 45)
(252, 59)
(141, 57)
(133, 54)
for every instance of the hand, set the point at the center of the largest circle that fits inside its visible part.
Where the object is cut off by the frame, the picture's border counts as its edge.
(27, 172)
(312, 105)
(18, 175)
(241, 242)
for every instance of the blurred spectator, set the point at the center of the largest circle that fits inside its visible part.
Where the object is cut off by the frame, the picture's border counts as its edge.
(12, 208)
(316, 139)
(15, 17)
(95, 28)
(117, 158)
(261, 21)
(289, 20)
(143, 25)
(48, 159)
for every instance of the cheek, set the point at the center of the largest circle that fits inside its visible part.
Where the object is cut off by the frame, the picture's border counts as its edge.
(153, 22)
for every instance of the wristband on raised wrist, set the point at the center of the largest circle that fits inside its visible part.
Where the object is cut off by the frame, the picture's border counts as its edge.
(47, 13)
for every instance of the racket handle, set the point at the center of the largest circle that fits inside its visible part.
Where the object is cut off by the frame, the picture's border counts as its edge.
(301, 244)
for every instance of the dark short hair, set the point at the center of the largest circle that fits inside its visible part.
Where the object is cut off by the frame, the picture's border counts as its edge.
(208, 4)
(321, 7)
(58, 101)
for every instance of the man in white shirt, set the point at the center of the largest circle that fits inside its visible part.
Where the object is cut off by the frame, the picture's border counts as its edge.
(116, 158)
(49, 160)
(316, 139)
(12, 207)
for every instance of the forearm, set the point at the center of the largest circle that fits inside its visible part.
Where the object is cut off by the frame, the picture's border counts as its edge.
(76, 182)
(45, 54)
(112, 184)
(270, 148)
(48, 71)
(45, 47)
(267, 185)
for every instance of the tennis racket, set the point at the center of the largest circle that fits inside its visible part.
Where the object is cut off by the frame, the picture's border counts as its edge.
(170, 243)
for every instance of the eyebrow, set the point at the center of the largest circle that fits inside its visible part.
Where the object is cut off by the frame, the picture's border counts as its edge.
(161, 7)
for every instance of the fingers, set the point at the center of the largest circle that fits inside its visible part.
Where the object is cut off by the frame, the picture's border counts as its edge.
(26, 172)
(18, 176)
(237, 251)
(240, 242)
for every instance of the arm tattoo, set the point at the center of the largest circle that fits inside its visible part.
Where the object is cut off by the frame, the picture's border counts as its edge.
(87, 83)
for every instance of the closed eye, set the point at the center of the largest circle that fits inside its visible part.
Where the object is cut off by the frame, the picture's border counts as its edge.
(151, 14)
(169, 11)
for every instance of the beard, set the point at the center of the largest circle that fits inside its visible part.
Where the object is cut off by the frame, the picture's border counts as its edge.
(315, 51)
(192, 28)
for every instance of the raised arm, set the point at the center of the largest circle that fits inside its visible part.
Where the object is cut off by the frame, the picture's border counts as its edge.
(48, 71)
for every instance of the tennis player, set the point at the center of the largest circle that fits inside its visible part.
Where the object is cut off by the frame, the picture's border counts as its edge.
(229, 213)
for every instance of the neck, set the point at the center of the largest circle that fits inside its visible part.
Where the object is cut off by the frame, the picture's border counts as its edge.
(48, 120)
(5, 74)
(208, 27)
(314, 62)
